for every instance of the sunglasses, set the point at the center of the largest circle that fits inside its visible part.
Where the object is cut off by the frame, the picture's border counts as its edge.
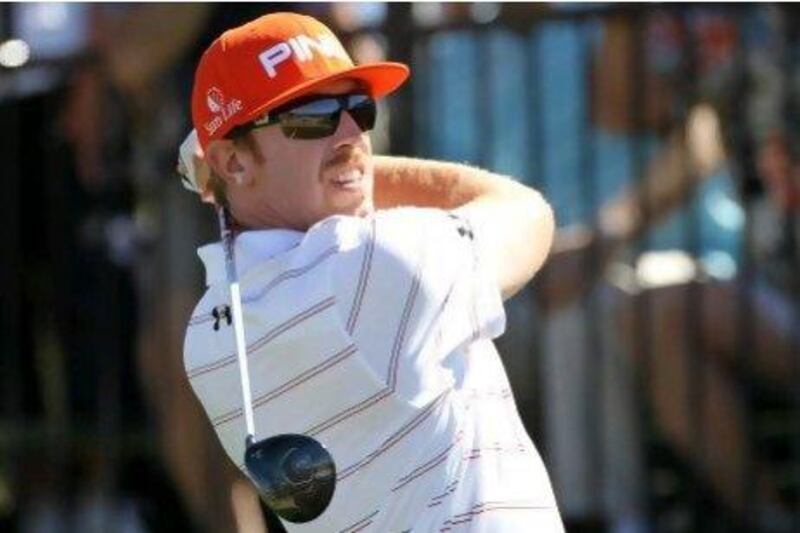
(316, 117)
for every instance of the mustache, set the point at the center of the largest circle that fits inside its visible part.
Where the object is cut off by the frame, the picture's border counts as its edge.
(347, 157)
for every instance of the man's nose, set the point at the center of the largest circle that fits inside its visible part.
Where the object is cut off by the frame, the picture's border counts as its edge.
(348, 131)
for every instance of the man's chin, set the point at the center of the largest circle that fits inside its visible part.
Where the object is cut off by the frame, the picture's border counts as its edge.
(359, 208)
(364, 211)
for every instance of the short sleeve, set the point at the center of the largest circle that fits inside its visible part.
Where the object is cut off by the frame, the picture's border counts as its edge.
(414, 290)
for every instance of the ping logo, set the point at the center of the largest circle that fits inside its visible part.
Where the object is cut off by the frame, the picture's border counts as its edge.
(302, 47)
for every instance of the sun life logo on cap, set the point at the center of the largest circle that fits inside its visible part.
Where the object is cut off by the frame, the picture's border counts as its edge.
(222, 109)
(302, 48)
(215, 100)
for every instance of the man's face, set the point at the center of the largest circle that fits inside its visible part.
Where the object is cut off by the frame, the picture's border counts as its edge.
(300, 182)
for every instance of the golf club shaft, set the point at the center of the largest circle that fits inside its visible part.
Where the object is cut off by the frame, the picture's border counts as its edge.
(228, 238)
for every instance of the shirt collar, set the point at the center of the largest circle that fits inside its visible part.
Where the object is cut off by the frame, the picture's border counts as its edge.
(251, 248)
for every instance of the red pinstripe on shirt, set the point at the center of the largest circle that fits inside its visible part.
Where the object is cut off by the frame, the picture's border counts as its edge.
(391, 377)
(428, 465)
(360, 524)
(490, 506)
(396, 437)
(363, 279)
(296, 381)
(266, 338)
(280, 278)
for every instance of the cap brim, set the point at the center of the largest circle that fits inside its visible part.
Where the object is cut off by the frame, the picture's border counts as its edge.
(380, 79)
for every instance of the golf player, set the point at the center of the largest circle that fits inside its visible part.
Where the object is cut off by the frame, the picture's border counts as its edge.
(372, 288)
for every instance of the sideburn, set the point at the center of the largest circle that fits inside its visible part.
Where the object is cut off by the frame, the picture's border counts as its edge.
(249, 143)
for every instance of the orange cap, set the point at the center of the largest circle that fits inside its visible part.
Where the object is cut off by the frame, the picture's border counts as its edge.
(269, 61)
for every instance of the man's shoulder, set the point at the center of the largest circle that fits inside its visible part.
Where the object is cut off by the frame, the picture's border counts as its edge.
(408, 214)
(348, 233)
(411, 215)
(411, 222)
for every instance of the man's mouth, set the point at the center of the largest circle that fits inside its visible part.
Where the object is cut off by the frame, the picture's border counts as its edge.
(348, 180)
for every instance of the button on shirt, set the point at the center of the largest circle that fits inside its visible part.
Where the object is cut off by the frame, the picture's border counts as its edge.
(374, 336)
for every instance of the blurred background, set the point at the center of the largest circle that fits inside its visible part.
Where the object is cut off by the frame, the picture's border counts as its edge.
(655, 359)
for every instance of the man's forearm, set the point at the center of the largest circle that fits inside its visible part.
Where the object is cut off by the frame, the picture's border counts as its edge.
(423, 183)
(516, 222)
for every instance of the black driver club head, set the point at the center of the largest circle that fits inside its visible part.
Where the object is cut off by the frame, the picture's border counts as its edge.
(294, 474)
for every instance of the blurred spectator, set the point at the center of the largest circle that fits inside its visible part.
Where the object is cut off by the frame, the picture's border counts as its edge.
(694, 325)
(674, 109)
(76, 220)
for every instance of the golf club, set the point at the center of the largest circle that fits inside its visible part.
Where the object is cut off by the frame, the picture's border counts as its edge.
(294, 474)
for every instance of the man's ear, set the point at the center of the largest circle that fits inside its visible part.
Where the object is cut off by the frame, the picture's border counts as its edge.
(202, 177)
(229, 163)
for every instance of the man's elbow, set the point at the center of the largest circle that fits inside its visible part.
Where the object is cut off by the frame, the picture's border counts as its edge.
(531, 250)
(541, 232)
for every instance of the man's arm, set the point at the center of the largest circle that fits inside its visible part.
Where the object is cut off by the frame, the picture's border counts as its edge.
(516, 223)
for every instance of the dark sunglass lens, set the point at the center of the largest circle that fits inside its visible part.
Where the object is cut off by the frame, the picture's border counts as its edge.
(309, 126)
(364, 114)
(317, 119)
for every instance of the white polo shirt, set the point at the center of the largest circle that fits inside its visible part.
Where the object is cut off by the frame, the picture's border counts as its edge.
(373, 335)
